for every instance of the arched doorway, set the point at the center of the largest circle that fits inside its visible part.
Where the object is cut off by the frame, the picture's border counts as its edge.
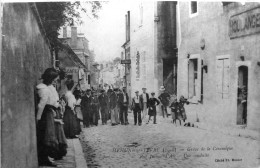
(242, 95)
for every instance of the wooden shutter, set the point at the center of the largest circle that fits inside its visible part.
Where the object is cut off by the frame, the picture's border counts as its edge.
(226, 72)
(191, 79)
(219, 77)
(198, 83)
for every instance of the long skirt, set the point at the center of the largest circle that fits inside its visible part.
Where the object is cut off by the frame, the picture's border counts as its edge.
(70, 123)
(61, 140)
(46, 135)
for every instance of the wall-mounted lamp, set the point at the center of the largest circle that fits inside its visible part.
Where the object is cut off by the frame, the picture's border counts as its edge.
(188, 55)
(242, 58)
(205, 67)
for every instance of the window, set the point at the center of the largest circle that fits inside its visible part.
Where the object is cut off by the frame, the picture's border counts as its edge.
(222, 77)
(193, 8)
(194, 78)
(89, 79)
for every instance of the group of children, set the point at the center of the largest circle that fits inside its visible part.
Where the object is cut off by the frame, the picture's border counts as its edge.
(178, 110)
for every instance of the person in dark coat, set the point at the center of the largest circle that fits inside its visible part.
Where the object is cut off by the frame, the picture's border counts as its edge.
(95, 108)
(165, 100)
(176, 114)
(86, 107)
(109, 92)
(112, 107)
(103, 102)
(137, 107)
(153, 102)
(123, 105)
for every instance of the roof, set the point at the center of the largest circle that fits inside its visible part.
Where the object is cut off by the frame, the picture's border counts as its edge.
(72, 55)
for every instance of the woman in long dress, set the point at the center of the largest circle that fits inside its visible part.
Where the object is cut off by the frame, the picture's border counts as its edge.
(78, 111)
(70, 119)
(46, 105)
(62, 142)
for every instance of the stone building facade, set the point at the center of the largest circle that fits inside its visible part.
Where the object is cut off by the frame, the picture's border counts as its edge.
(218, 61)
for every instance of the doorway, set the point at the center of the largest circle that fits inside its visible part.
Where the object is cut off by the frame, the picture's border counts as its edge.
(242, 95)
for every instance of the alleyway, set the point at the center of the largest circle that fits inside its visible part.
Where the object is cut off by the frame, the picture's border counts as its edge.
(170, 146)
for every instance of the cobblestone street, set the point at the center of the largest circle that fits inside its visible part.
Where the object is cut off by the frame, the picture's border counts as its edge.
(165, 145)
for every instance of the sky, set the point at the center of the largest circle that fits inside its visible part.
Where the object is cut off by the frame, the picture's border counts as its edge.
(107, 34)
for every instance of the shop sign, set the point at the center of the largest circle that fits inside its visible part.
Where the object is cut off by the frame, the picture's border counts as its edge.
(137, 65)
(72, 70)
(245, 23)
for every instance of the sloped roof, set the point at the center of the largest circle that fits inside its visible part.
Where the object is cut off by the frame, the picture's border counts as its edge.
(71, 54)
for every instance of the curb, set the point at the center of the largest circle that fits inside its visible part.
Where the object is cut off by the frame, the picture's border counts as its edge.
(79, 155)
(246, 133)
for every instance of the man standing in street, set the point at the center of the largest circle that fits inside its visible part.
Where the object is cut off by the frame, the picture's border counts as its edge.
(95, 108)
(123, 104)
(86, 108)
(112, 107)
(145, 103)
(137, 107)
(165, 100)
(103, 101)
(117, 109)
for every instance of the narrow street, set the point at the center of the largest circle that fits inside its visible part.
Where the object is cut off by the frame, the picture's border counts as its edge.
(165, 145)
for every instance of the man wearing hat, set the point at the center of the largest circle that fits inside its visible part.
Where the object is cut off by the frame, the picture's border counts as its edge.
(95, 108)
(165, 100)
(103, 101)
(145, 102)
(112, 107)
(123, 104)
(137, 107)
(86, 107)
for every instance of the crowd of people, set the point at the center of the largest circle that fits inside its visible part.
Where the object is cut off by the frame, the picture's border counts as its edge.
(60, 118)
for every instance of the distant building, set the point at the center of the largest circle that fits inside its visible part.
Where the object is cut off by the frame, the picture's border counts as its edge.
(218, 60)
(151, 46)
(80, 45)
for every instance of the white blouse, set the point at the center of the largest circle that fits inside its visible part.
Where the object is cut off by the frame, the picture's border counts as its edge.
(48, 95)
(70, 99)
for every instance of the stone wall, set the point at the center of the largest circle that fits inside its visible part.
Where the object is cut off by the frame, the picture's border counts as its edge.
(25, 55)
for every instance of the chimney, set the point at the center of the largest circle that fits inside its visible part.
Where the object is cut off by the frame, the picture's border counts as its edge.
(65, 32)
(74, 37)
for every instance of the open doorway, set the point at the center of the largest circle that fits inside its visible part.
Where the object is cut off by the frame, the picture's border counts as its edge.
(242, 95)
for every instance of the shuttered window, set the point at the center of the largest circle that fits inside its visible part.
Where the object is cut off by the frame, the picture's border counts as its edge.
(222, 78)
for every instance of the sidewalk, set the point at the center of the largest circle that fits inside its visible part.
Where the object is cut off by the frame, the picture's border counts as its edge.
(234, 131)
(74, 158)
